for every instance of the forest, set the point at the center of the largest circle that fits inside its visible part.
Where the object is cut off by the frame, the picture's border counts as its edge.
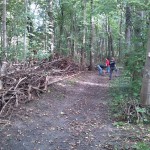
(47, 41)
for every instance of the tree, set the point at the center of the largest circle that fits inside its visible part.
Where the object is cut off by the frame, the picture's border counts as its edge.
(4, 38)
(51, 26)
(3, 63)
(145, 90)
(83, 38)
(110, 40)
(120, 35)
(128, 26)
(91, 36)
(60, 25)
(25, 31)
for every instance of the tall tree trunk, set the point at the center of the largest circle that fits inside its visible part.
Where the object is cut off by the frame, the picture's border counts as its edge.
(138, 44)
(25, 31)
(108, 52)
(101, 49)
(46, 36)
(61, 24)
(72, 47)
(4, 31)
(68, 43)
(110, 40)
(30, 30)
(91, 38)
(82, 61)
(51, 26)
(30, 27)
(145, 90)
(120, 35)
(3, 64)
(73, 43)
(128, 27)
(110, 45)
(72, 40)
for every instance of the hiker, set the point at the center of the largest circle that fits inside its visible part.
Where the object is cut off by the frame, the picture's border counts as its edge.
(112, 67)
(101, 69)
(107, 65)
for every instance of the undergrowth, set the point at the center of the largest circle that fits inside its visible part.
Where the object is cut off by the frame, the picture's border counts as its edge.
(141, 146)
(126, 109)
(125, 104)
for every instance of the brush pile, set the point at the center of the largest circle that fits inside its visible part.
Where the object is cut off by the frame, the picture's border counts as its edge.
(25, 82)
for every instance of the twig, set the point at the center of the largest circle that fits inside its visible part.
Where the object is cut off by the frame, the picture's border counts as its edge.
(29, 93)
(3, 108)
(4, 121)
(20, 80)
(36, 88)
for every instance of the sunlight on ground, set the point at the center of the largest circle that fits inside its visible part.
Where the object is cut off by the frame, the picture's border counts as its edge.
(61, 84)
(87, 83)
(93, 84)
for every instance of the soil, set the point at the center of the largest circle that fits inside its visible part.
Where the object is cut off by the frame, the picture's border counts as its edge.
(72, 115)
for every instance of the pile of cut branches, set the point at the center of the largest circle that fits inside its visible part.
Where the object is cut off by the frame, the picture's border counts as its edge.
(25, 82)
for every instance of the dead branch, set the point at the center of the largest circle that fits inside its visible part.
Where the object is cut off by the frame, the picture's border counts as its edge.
(19, 82)
(3, 110)
(29, 93)
(24, 83)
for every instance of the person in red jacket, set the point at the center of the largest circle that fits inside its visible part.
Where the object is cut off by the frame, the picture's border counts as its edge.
(107, 65)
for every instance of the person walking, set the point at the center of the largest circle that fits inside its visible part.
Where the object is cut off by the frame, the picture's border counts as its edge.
(112, 67)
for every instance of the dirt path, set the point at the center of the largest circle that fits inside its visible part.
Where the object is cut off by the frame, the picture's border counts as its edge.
(73, 115)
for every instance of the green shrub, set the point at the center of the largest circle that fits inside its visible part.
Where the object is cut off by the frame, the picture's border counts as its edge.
(141, 146)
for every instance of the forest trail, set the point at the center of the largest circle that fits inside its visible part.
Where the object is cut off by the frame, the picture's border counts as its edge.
(73, 115)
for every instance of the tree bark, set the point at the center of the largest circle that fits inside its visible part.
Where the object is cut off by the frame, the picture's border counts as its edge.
(120, 35)
(61, 24)
(82, 61)
(30, 29)
(51, 26)
(91, 38)
(3, 64)
(110, 40)
(25, 31)
(128, 27)
(145, 90)
(4, 31)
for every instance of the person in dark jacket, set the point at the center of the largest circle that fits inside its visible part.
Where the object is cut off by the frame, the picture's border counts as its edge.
(112, 67)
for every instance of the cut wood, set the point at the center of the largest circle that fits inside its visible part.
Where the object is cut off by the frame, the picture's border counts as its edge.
(24, 82)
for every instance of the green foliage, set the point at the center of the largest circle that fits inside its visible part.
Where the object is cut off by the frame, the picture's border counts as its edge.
(68, 20)
(16, 53)
(125, 103)
(134, 63)
(42, 55)
(106, 7)
(119, 123)
(120, 92)
(140, 4)
(141, 146)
